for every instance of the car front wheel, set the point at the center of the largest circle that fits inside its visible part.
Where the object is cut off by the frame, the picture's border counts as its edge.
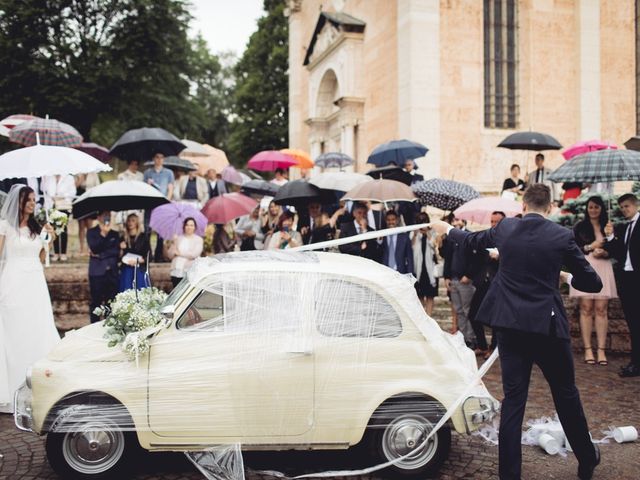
(399, 429)
(89, 446)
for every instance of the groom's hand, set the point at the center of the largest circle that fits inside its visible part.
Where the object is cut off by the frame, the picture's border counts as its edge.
(440, 227)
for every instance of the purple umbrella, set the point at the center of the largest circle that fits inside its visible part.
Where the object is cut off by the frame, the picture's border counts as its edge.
(231, 175)
(95, 150)
(168, 219)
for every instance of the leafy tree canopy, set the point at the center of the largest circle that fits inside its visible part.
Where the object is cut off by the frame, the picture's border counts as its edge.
(262, 94)
(106, 66)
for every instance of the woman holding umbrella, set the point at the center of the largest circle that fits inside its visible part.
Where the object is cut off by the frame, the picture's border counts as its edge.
(285, 237)
(134, 250)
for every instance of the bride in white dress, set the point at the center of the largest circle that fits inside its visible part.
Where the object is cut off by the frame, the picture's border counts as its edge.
(27, 329)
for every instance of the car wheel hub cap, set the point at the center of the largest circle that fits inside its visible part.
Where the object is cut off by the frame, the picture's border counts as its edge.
(405, 437)
(95, 449)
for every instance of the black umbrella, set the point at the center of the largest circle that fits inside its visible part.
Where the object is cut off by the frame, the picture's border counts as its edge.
(397, 152)
(175, 163)
(633, 143)
(117, 195)
(260, 188)
(391, 172)
(143, 143)
(300, 193)
(530, 141)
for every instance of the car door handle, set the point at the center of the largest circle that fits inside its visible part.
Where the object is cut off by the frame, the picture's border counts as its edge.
(300, 353)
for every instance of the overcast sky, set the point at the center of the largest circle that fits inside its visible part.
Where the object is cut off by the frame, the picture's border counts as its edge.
(226, 24)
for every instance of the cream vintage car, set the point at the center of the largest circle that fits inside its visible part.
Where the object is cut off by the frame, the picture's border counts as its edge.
(269, 350)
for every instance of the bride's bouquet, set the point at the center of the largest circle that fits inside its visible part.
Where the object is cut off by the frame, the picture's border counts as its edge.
(130, 319)
(57, 219)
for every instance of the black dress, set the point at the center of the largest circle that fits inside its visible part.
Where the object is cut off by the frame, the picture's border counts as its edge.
(509, 183)
(423, 285)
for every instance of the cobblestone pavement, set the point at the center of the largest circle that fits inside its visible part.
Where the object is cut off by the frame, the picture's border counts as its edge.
(608, 401)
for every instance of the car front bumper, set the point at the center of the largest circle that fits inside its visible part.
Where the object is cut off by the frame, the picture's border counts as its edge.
(22, 408)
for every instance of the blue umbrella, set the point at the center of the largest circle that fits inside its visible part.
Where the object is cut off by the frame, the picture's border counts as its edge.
(397, 152)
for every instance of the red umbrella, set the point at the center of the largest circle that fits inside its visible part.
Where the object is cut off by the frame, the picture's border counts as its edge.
(96, 151)
(269, 160)
(227, 207)
(586, 146)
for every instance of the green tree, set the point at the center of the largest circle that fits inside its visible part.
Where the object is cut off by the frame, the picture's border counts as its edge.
(261, 111)
(106, 66)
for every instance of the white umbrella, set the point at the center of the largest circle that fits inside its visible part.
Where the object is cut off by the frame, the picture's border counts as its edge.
(194, 149)
(41, 160)
(341, 181)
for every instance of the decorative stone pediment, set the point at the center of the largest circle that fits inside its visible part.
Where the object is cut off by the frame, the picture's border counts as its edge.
(330, 28)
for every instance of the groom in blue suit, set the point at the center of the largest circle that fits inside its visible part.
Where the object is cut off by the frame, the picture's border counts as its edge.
(524, 306)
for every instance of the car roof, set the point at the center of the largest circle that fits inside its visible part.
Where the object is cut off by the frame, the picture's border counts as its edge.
(291, 261)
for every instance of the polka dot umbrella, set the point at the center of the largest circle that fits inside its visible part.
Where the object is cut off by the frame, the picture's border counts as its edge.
(443, 194)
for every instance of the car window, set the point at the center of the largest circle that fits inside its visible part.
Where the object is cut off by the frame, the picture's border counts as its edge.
(347, 309)
(205, 313)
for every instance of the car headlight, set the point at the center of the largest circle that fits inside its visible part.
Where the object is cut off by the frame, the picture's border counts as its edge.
(27, 379)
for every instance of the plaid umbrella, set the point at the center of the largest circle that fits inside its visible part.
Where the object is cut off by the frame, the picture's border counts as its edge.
(50, 132)
(600, 166)
(7, 123)
(443, 194)
(334, 159)
(530, 141)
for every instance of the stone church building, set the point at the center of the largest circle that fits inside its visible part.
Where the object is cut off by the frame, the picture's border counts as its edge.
(459, 76)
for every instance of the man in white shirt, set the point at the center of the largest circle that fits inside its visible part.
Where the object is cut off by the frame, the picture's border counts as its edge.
(623, 244)
(132, 173)
(279, 178)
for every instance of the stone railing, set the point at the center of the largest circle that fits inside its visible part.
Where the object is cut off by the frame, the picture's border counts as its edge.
(69, 290)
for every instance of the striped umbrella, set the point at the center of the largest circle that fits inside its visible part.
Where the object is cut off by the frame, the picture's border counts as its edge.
(50, 132)
(444, 194)
(600, 166)
(95, 150)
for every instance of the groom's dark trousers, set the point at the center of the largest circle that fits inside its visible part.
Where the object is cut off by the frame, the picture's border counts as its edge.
(524, 305)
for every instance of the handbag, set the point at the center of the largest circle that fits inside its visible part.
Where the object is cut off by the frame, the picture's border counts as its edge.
(438, 270)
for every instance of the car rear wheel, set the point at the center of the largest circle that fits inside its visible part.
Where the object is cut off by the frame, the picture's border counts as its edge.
(90, 446)
(398, 429)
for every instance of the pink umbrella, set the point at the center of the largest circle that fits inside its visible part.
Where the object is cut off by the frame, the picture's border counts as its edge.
(269, 160)
(228, 206)
(231, 175)
(168, 220)
(586, 146)
(479, 210)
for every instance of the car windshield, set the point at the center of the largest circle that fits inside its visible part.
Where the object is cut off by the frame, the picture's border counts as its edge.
(176, 293)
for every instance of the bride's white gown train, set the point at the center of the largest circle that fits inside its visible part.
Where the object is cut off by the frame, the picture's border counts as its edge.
(27, 329)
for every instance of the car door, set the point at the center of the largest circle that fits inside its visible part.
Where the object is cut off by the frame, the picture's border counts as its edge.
(239, 365)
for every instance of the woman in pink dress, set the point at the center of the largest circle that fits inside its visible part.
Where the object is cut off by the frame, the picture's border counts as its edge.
(590, 237)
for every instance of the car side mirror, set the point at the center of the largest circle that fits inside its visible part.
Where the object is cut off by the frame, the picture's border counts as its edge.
(167, 312)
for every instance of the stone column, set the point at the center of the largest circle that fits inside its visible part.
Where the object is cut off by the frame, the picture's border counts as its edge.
(589, 98)
(419, 78)
(296, 99)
